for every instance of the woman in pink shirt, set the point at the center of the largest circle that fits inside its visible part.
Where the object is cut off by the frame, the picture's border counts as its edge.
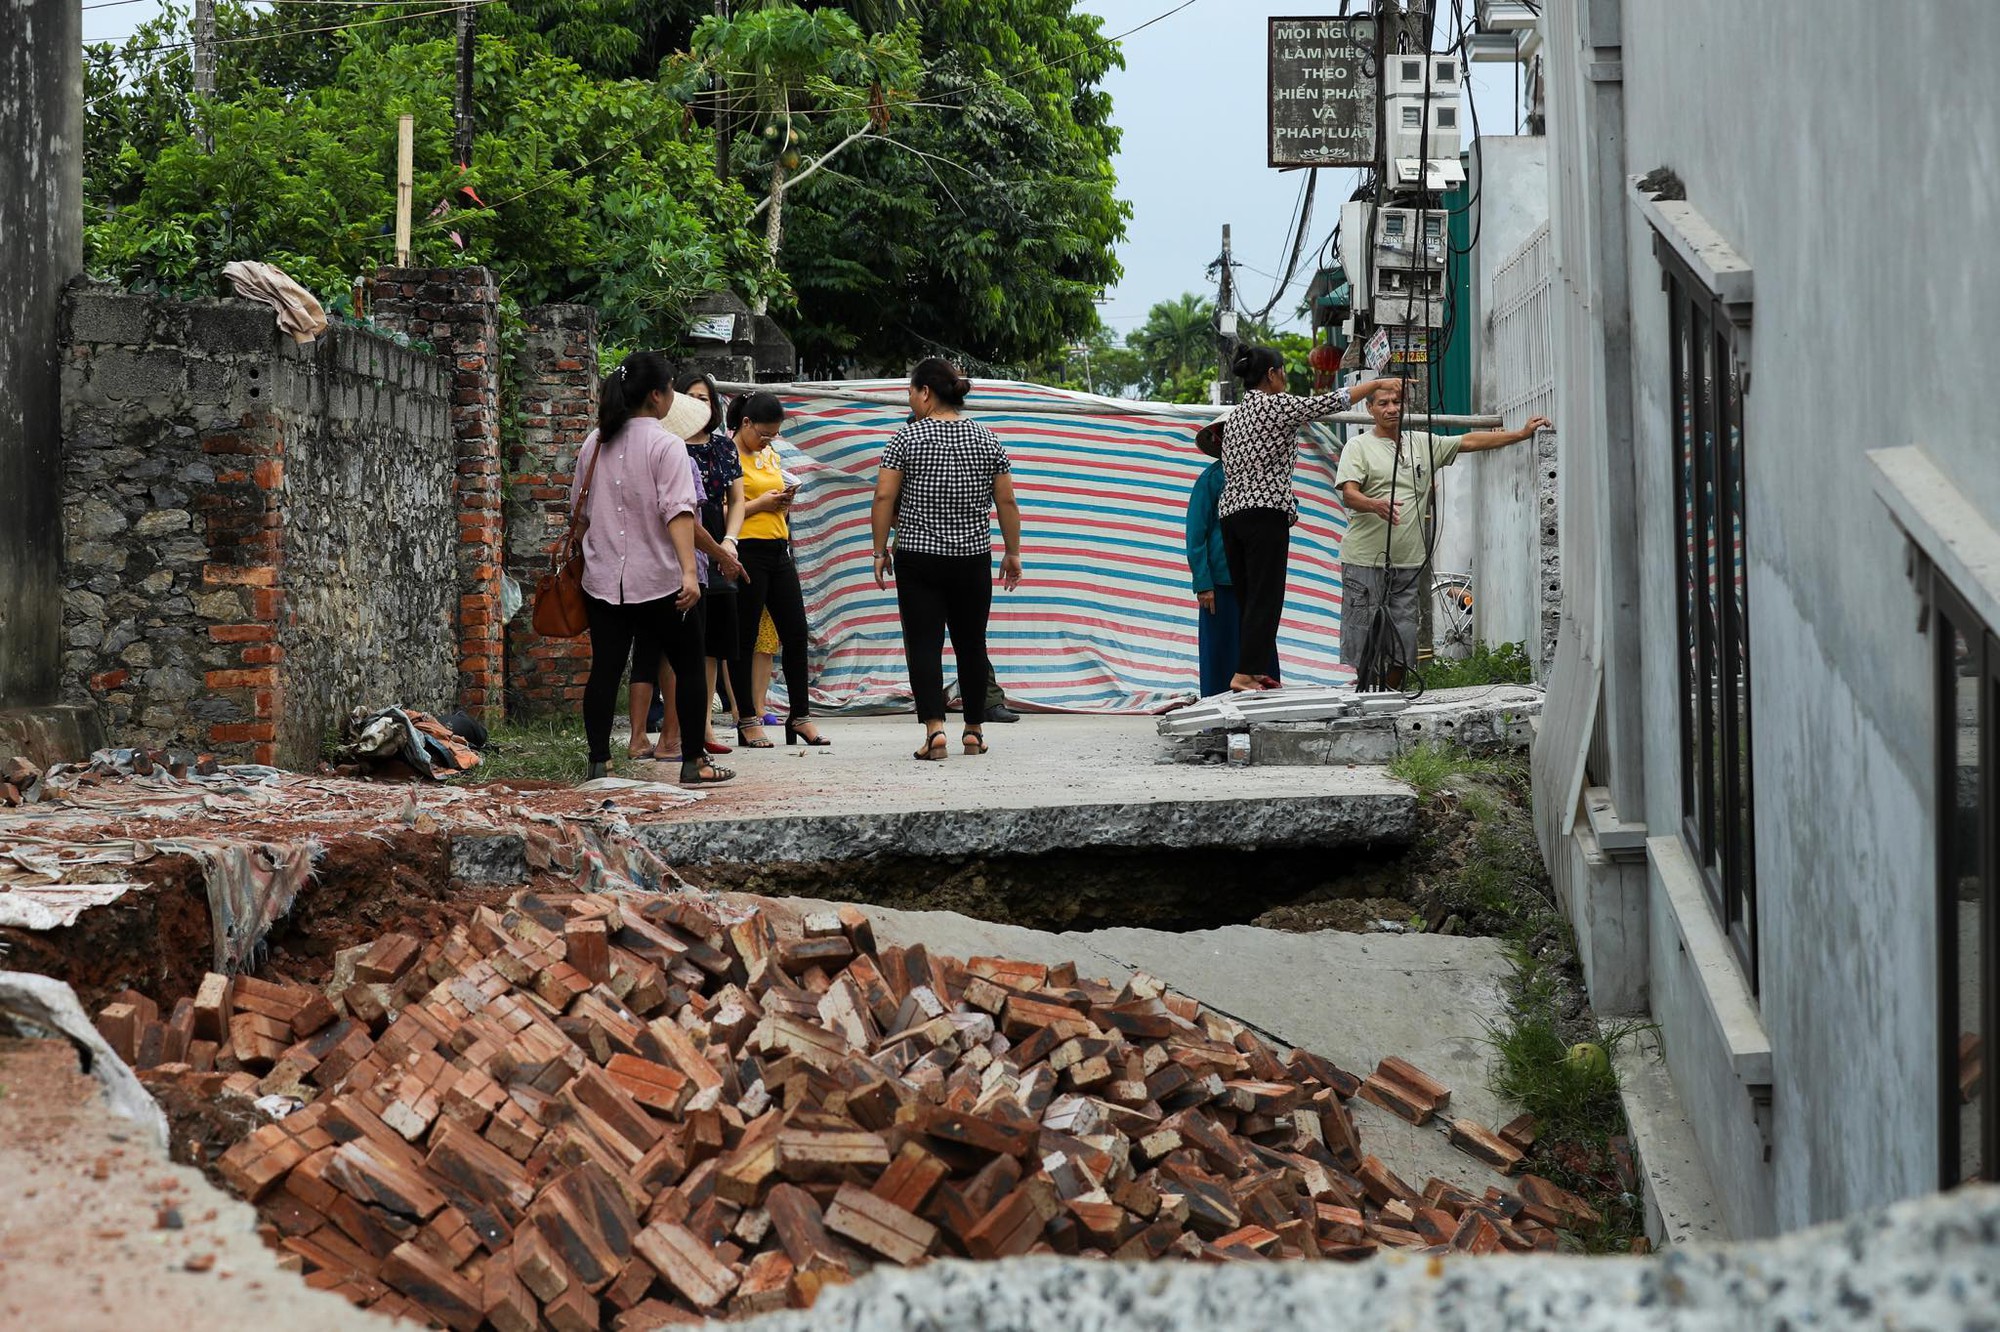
(641, 588)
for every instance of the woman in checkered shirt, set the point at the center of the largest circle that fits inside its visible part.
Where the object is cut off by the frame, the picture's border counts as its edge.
(1260, 450)
(943, 478)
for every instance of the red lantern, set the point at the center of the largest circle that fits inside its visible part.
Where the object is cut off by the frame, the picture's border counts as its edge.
(1324, 357)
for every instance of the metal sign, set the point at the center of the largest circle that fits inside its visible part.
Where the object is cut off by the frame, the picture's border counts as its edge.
(1411, 346)
(1322, 92)
(1378, 349)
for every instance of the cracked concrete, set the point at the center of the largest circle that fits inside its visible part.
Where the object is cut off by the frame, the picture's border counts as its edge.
(1050, 784)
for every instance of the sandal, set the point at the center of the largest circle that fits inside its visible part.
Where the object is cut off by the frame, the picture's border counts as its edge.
(975, 740)
(700, 772)
(758, 741)
(935, 748)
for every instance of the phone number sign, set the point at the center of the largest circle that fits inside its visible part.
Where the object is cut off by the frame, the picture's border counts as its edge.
(1323, 92)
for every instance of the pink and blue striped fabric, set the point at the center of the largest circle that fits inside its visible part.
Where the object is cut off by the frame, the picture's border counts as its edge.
(1104, 620)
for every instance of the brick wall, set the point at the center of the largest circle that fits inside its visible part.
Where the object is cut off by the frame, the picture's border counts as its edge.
(556, 372)
(258, 537)
(456, 310)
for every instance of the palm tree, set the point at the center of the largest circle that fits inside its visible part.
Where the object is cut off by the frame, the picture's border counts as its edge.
(1177, 337)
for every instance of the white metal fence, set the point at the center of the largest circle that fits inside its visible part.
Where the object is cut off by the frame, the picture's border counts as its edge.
(1523, 333)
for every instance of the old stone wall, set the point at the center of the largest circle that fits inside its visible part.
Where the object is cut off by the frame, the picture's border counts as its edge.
(457, 311)
(556, 371)
(368, 525)
(258, 536)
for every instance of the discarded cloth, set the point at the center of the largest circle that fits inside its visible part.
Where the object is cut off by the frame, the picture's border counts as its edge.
(417, 738)
(299, 313)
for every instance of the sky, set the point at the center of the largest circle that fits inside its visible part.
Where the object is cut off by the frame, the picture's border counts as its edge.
(1191, 103)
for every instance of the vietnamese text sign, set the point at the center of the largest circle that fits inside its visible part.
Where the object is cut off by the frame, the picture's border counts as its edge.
(1322, 92)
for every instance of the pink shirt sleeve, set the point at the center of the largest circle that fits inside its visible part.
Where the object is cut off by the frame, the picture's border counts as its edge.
(675, 485)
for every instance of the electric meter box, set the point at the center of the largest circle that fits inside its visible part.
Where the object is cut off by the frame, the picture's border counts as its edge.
(1415, 75)
(1408, 135)
(1410, 238)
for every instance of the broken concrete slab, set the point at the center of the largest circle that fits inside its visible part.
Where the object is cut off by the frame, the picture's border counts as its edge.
(1334, 727)
(1089, 783)
(1351, 819)
(1930, 1263)
(44, 1006)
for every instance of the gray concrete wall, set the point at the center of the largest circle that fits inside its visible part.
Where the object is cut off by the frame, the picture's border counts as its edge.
(1853, 199)
(1504, 490)
(41, 248)
(259, 536)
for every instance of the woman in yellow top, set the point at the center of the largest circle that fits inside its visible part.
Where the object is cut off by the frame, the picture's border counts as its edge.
(770, 578)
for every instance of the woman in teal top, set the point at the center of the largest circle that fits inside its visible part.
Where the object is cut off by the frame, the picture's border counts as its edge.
(1217, 618)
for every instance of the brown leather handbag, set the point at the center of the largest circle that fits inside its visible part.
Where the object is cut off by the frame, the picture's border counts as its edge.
(559, 609)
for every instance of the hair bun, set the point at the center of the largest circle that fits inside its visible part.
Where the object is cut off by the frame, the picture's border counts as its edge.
(964, 385)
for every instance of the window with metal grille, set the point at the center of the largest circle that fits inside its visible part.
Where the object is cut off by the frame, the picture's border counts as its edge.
(1717, 786)
(1413, 71)
(1966, 661)
(1413, 117)
(1447, 117)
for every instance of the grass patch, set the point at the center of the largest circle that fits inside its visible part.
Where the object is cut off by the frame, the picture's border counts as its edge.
(550, 749)
(1507, 663)
(1570, 1096)
(1429, 767)
(1485, 876)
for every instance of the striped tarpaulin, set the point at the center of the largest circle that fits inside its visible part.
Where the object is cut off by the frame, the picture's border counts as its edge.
(1104, 620)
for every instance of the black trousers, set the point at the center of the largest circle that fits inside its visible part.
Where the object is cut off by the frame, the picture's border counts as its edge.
(1257, 543)
(771, 581)
(939, 594)
(648, 630)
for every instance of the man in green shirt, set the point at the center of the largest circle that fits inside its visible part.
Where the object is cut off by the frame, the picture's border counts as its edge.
(1385, 481)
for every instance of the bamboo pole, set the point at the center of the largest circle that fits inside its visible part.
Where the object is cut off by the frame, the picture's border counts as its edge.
(405, 185)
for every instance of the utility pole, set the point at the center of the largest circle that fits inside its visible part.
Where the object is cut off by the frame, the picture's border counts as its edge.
(203, 56)
(1225, 321)
(723, 130)
(462, 105)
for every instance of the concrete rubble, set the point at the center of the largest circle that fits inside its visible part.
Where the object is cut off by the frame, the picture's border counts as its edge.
(1339, 727)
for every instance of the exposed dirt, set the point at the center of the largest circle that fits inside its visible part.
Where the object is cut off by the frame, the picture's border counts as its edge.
(157, 939)
(154, 939)
(368, 886)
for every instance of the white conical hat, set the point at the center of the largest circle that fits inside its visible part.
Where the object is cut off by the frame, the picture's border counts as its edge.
(687, 417)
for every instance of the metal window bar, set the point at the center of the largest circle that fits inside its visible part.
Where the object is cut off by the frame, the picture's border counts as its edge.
(1717, 767)
(1961, 857)
(1989, 908)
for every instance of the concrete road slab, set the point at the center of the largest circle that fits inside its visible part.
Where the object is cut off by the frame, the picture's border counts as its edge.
(1049, 784)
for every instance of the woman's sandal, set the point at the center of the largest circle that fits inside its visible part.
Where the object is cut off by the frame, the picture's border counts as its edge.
(703, 773)
(975, 740)
(759, 741)
(936, 746)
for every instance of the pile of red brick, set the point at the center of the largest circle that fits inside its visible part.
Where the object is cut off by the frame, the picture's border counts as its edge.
(593, 1111)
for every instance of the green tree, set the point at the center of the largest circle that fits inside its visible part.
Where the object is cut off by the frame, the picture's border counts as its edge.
(984, 224)
(581, 189)
(782, 62)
